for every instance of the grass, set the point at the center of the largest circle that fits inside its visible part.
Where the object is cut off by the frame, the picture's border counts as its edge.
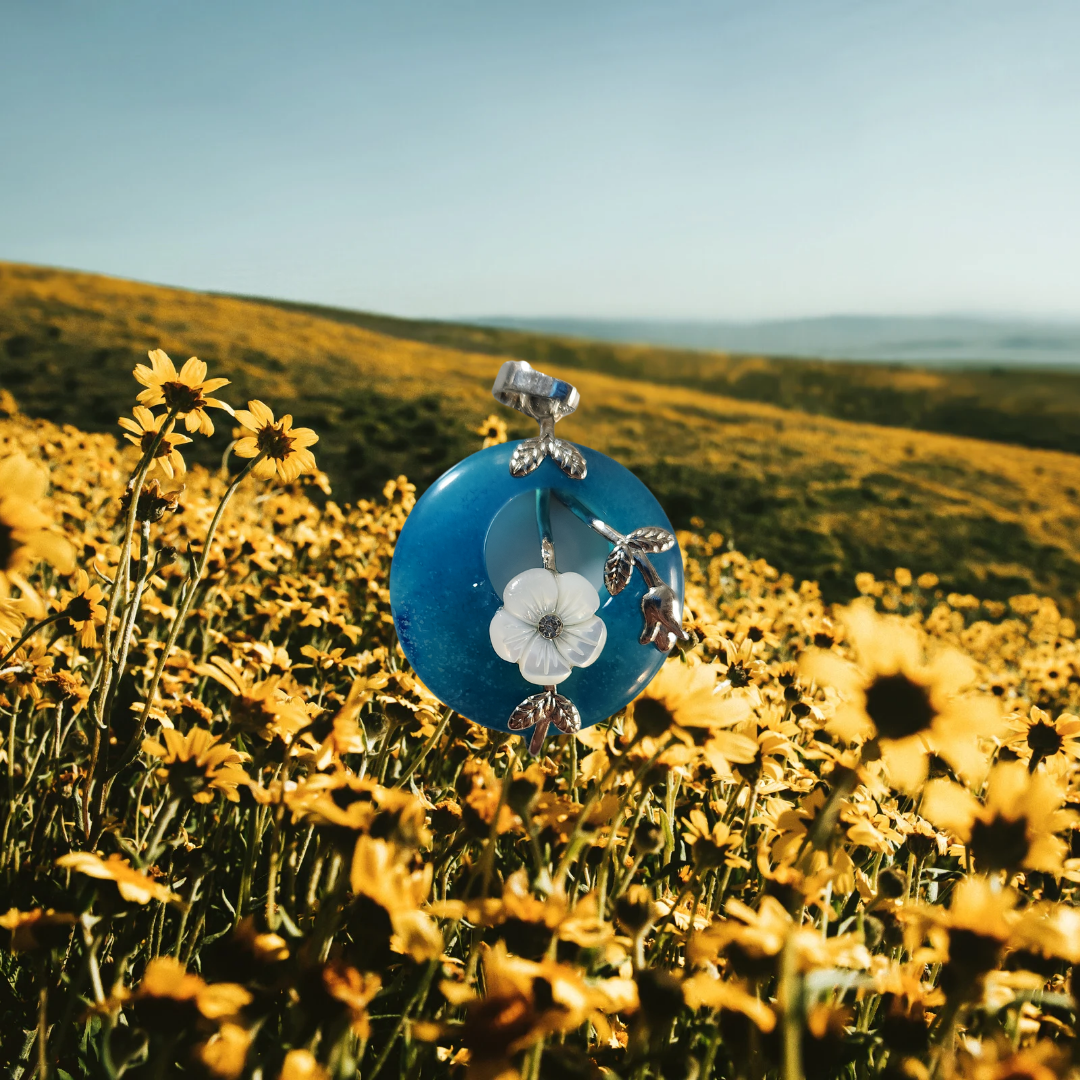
(821, 496)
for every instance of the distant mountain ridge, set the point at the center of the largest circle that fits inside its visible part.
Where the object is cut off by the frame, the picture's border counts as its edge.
(924, 340)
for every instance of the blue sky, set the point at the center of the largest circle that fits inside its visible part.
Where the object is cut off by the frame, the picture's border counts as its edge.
(667, 159)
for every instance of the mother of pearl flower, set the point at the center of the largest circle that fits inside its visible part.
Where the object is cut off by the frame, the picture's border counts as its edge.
(548, 626)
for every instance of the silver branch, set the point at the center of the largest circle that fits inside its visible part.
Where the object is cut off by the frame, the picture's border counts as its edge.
(660, 606)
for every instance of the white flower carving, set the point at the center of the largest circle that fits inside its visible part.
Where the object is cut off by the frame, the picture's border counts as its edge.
(548, 626)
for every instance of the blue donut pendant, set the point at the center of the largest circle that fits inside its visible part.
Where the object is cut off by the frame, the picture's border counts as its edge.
(537, 584)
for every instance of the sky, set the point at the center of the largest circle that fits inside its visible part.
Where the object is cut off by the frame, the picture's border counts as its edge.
(611, 158)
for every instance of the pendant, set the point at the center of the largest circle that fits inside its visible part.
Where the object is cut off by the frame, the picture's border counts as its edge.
(537, 584)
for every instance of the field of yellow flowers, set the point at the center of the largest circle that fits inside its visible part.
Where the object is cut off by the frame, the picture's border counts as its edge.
(238, 838)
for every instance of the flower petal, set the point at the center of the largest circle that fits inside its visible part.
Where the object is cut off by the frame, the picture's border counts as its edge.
(577, 598)
(510, 637)
(531, 595)
(581, 643)
(542, 663)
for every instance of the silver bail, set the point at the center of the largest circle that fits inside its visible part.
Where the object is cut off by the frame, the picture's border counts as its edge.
(547, 400)
(533, 393)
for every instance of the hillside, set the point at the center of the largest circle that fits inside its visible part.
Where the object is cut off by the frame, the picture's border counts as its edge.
(821, 497)
(1023, 405)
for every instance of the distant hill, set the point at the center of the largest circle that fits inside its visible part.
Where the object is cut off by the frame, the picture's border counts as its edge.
(929, 340)
(1012, 404)
(819, 497)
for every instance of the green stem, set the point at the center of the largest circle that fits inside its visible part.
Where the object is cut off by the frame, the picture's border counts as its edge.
(194, 579)
(435, 736)
(120, 580)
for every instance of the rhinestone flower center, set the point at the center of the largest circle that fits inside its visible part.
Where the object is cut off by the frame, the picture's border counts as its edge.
(550, 627)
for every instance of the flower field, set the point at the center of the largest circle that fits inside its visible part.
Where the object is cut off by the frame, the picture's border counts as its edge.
(238, 838)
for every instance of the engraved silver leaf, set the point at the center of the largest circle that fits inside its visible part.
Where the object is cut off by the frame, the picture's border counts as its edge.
(527, 455)
(651, 539)
(547, 706)
(527, 713)
(618, 569)
(568, 458)
(564, 715)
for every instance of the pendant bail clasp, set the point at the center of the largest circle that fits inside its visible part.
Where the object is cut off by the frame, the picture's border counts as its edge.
(547, 400)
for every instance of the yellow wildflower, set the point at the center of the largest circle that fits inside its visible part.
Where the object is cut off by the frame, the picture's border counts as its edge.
(285, 447)
(25, 535)
(198, 764)
(185, 393)
(144, 429)
(130, 883)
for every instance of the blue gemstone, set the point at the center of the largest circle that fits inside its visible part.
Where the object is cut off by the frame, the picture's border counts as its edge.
(473, 530)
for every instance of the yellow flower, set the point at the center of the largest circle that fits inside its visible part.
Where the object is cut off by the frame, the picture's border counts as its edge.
(979, 921)
(185, 393)
(37, 929)
(379, 872)
(225, 1053)
(131, 884)
(754, 939)
(706, 990)
(902, 705)
(1035, 738)
(711, 847)
(493, 429)
(285, 447)
(198, 764)
(350, 802)
(165, 980)
(25, 537)
(301, 1065)
(263, 707)
(27, 671)
(1015, 828)
(354, 990)
(12, 619)
(526, 1000)
(143, 430)
(82, 608)
(683, 695)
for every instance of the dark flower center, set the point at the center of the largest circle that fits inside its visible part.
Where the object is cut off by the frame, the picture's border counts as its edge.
(898, 706)
(181, 397)
(1043, 739)
(652, 717)
(971, 954)
(737, 675)
(273, 441)
(8, 547)
(79, 610)
(165, 447)
(1000, 844)
(550, 627)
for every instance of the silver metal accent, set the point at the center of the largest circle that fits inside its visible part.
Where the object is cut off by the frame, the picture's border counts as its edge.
(541, 710)
(547, 400)
(660, 607)
(543, 524)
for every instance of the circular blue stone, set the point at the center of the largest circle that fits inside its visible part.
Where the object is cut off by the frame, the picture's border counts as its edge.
(442, 595)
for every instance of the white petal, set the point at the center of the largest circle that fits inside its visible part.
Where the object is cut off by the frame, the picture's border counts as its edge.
(583, 642)
(577, 598)
(542, 664)
(531, 595)
(510, 636)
